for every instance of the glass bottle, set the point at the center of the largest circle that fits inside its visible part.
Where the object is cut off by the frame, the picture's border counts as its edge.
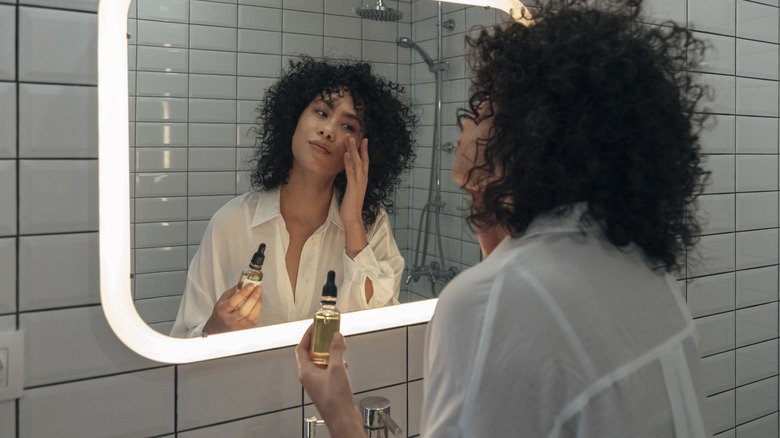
(253, 273)
(327, 321)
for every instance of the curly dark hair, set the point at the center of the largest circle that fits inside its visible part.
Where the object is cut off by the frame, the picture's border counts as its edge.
(592, 106)
(389, 125)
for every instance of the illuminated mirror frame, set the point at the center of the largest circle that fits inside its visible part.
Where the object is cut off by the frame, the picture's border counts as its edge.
(515, 8)
(114, 209)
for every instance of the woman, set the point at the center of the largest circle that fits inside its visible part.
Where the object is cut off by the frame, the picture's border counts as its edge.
(319, 204)
(580, 150)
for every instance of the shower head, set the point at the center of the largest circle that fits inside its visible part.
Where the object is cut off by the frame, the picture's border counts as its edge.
(379, 12)
(407, 43)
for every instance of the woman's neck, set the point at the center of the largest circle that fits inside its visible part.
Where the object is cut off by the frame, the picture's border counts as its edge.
(490, 237)
(305, 199)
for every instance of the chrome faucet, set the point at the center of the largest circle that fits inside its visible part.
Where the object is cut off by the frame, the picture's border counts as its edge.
(376, 419)
(310, 426)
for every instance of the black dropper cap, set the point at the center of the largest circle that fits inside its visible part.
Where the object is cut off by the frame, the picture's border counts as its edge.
(259, 256)
(329, 290)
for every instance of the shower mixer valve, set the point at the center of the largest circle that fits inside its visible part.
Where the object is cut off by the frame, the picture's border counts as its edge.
(434, 272)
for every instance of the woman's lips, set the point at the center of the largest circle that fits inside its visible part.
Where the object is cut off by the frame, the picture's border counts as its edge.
(319, 147)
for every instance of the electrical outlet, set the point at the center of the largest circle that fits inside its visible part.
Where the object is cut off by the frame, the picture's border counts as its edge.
(11, 365)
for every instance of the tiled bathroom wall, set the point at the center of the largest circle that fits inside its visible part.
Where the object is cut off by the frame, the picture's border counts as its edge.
(457, 248)
(81, 381)
(733, 294)
(197, 72)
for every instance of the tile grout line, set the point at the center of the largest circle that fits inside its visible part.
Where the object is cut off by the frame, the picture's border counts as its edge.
(17, 402)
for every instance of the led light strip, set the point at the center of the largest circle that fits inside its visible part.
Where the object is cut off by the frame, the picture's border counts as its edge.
(114, 208)
(514, 8)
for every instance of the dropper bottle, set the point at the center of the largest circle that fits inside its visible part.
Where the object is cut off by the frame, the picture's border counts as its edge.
(327, 321)
(253, 273)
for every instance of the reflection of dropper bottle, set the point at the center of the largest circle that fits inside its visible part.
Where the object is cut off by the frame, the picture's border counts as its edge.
(327, 321)
(253, 273)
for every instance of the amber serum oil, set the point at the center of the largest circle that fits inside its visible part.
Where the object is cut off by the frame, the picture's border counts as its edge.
(327, 321)
(253, 273)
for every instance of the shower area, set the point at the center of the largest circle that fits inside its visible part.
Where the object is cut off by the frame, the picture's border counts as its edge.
(424, 248)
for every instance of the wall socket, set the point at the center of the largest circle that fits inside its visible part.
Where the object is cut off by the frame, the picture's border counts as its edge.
(11, 365)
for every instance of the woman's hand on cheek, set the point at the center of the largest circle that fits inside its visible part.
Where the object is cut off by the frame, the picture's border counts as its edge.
(356, 168)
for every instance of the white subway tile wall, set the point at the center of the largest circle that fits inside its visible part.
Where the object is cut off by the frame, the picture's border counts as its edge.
(72, 271)
(44, 187)
(7, 120)
(285, 423)
(59, 107)
(7, 197)
(198, 70)
(248, 380)
(718, 372)
(145, 400)
(8, 274)
(7, 42)
(71, 344)
(63, 53)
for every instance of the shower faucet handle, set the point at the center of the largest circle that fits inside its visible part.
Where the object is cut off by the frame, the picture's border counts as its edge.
(439, 66)
(376, 417)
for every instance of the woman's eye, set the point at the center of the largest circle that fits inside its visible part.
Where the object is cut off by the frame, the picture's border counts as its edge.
(349, 128)
(321, 113)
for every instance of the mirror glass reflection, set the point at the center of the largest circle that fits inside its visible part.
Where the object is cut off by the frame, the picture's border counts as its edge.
(198, 70)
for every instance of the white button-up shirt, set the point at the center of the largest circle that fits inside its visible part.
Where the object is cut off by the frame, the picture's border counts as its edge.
(559, 333)
(232, 237)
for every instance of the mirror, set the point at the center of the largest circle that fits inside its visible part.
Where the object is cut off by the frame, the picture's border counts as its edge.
(192, 92)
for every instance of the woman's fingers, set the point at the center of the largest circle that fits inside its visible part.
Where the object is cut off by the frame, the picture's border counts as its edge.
(245, 307)
(337, 348)
(239, 298)
(352, 156)
(364, 154)
(257, 305)
(302, 352)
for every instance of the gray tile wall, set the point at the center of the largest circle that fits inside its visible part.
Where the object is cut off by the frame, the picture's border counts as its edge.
(80, 381)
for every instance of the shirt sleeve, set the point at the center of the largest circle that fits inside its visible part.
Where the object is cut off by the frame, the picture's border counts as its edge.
(196, 302)
(381, 262)
(206, 280)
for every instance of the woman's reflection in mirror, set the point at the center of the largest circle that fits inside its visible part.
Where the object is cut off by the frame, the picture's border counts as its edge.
(332, 140)
(580, 148)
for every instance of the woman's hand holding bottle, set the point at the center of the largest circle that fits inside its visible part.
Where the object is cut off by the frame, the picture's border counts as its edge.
(236, 310)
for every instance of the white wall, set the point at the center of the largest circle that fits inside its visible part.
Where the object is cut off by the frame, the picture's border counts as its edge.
(80, 381)
(734, 295)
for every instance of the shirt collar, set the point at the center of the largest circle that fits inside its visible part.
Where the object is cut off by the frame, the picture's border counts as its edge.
(268, 208)
(552, 222)
(334, 212)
